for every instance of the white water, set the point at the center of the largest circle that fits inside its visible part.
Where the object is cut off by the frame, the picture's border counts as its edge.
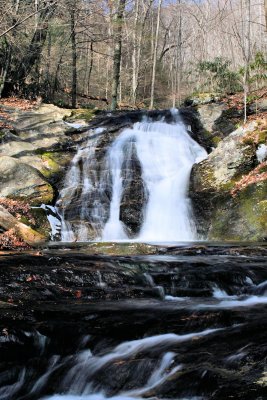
(234, 302)
(87, 365)
(166, 154)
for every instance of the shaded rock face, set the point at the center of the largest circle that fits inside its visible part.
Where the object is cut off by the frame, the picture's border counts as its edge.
(221, 214)
(90, 209)
(216, 125)
(134, 195)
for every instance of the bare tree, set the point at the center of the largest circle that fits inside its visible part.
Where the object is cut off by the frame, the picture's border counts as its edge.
(117, 29)
(155, 58)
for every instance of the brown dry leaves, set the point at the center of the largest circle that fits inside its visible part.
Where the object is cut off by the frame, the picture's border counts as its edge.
(18, 209)
(258, 174)
(13, 102)
(10, 241)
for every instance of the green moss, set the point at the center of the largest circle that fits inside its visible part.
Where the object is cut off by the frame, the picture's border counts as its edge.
(254, 206)
(82, 113)
(216, 140)
(243, 217)
(24, 220)
(262, 137)
(41, 223)
(52, 167)
(256, 137)
(210, 138)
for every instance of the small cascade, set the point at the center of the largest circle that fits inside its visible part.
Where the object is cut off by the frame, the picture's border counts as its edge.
(138, 191)
(81, 203)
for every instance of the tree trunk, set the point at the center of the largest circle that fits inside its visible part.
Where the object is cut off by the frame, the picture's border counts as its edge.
(155, 59)
(117, 29)
(135, 49)
(91, 66)
(5, 68)
(247, 55)
(32, 56)
(74, 57)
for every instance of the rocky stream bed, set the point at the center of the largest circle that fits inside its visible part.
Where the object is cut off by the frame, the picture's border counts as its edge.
(134, 321)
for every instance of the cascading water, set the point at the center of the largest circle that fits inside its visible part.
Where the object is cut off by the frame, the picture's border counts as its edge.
(91, 201)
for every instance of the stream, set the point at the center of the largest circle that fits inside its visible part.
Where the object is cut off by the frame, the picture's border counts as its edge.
(170, 321)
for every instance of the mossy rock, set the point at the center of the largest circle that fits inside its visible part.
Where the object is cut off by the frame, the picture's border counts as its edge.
(51, 166)
(82, 114)
(41, 222)
(243, 217)
(202, 98)
(54, 164)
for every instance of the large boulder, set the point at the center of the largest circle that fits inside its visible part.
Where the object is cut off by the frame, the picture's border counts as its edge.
(9, 222)
(229, 200)
(23, 182)
(215, 123)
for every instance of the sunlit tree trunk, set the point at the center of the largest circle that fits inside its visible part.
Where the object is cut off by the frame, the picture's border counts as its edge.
(155, 58)
(117, 32)
(247, 54)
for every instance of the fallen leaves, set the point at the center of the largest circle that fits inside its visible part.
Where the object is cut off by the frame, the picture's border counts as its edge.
(18, 209)
(258, 174)
(17, 102)
(10, 241)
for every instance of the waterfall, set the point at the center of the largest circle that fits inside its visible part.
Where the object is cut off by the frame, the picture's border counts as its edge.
(92, 201)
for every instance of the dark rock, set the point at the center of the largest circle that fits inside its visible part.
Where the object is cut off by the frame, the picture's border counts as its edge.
(56, 308)
(134, 195)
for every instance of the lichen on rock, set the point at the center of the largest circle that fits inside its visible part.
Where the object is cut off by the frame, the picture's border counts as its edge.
(229, 199)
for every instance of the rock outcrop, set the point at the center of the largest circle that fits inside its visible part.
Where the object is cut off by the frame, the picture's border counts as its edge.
(20, 181)
(34, 157)
(34, 154)
(229, 199)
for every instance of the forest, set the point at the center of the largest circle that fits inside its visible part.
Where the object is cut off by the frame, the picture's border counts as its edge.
(131, 53)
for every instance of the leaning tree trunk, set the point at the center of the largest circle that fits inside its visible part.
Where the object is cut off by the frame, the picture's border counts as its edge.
(117, 24)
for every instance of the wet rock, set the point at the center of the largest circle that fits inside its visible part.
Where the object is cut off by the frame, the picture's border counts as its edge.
(134, 195)
(61, 331)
